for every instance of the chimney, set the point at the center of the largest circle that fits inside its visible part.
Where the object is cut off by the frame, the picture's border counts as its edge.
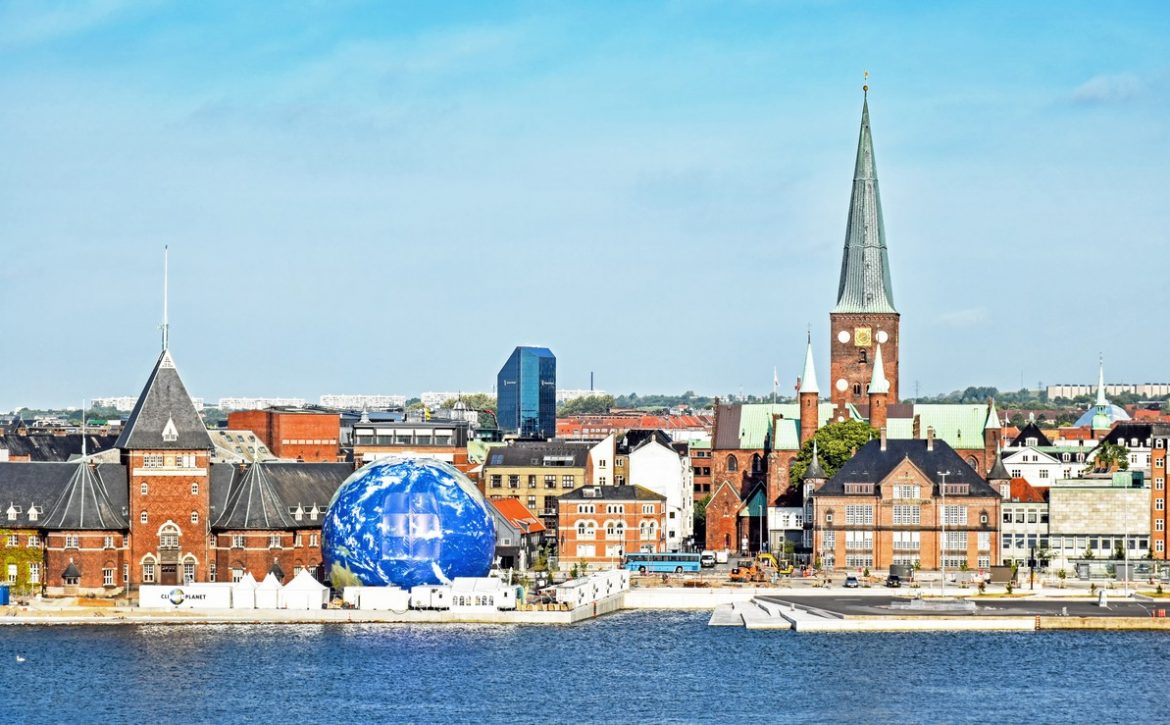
(917, 434)
(883, 432)
(930, 437)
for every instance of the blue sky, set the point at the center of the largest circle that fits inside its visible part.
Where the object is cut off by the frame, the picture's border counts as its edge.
(387, 197)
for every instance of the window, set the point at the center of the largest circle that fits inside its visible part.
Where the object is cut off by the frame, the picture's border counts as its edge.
(107, 542)
(274, 541)
(532, 503)
(601, 463)
(238, 541)
(1159, 504)
(153, 460)
(12, 572)
(586, 529)
(615, 530)
(514, 481)
(298, 542)
(568, 481)
(1007, 516)
(550, 480)
(194, 517)
(1159, 524)
(620, 463)
(1159, 546)
(907, 540)
(497, 481)
(585, 508)
(107, 577)
(72, 541)
(532, 481)
(143, 517)
(585, 551)
(188, 571)
(858, 488)
(34, 540)
(212, 570)
(194, 489)
(1031, 517)
(907, 515)
(34, 573)
(237, 575)
(858, 514)
(732, 464)
(148, 571)
(601, 480)
(144, 489)
(911, 492)
(859, 540)
(983, 540)
(313, 539)
(13, 540)
(955, 515)
(615, 508)
(647, 508)
(125, 573)
(168, 538)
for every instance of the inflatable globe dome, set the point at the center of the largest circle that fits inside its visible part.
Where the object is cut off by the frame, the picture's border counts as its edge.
(406, 522)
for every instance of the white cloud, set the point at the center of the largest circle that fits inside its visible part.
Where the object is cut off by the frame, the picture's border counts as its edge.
(1102, 89)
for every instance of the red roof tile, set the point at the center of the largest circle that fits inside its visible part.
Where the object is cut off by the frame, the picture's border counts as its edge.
(518, 515)
(1024, 492)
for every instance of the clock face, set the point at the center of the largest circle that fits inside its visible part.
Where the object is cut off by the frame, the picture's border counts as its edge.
(842, 384)
(843, 336)
(882, 337)
(862, 336)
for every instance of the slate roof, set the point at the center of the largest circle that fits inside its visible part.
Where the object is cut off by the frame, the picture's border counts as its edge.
(872, 465)
(63, 497)
(865, 267)
(533, 454)
(998, 471)
(265, 496)
(1031, 430)
(164, 407)
(85, 503)
(611, 493)
(49, 447)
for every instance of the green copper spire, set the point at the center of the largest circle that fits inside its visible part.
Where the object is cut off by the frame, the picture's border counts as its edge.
(865, 269)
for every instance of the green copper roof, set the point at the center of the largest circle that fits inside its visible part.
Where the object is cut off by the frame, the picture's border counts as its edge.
(754, 419)
(959, 425)
(865, 268)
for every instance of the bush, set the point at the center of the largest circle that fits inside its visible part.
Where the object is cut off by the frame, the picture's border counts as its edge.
(1009, 588)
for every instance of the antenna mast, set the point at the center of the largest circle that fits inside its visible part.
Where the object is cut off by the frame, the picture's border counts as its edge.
(166, 331)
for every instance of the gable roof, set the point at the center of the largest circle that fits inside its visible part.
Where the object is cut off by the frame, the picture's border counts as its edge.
(164, 418)
(873, 465)
(254, 504)
(522, 454)
(49, 447)
(518, 515)
(1031, 430)
(263, 496)
(1024, 492)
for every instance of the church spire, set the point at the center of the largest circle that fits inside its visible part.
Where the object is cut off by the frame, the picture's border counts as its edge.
(1101, 401)
(878, 383)
(865, 269)
(808, 380)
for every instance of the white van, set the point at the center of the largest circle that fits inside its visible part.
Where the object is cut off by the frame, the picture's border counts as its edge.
(721, 556)
(707, 559)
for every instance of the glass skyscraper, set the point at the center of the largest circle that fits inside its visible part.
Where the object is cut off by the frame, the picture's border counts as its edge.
(526, 393)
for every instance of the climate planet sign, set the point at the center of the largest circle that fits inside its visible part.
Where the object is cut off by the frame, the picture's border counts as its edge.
(188, 596)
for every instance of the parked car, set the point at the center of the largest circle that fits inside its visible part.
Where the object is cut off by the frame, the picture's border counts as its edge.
(851, 581)
(721, 556)
(894, 581)
(707, 559)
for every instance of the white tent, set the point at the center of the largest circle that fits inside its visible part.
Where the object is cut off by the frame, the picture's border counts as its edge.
(268, 593)
(304, 592)
(244, 593)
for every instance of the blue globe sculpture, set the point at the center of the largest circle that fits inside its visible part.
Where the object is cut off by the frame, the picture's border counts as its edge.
(407, 522)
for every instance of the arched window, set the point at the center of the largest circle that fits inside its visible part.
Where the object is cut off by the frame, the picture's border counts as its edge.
(148, 563)
(649, 530)
(189, 569)
(863, 356)
(973, 462)
(857, 388)
(732, 464)
(144, 489)
(757, 463)
(587, 530)
(168, 536)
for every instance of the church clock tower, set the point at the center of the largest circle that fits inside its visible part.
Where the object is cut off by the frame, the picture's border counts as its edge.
(864, 316)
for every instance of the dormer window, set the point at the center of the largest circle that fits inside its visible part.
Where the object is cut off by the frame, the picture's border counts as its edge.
(170, 433)
(12, 512)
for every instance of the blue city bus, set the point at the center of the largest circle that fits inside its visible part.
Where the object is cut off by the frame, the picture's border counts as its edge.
(671, 563)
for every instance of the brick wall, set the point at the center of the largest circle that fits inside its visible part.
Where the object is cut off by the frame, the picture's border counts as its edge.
(607, 550)
(253, 551)
(173, 492)
(92, 552)
(845, 356)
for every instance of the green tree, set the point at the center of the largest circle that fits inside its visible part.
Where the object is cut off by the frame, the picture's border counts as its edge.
(836, 444)
(475, 401)
(700, 515)
(1110, 457)
(588, 405)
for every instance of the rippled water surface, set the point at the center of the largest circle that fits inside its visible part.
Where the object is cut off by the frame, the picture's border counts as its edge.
(632, 667)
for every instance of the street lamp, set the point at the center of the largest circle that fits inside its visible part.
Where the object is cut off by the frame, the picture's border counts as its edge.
(942, 560)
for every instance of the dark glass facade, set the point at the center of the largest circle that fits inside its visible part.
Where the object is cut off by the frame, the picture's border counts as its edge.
(526, 393)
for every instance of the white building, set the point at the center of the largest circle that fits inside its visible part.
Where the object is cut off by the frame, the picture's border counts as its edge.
(358, 401)
(433, 399)
(565, 395)
(661, 469)
(601, 463)
(785, 524)
(125, 403)
(1092, 517)
(230, 404)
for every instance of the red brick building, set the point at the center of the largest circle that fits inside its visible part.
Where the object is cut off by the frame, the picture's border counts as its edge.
(300, 435)
(598, 525)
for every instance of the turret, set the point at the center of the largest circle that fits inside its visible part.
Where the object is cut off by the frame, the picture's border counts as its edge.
(809, 395)
(879, 392)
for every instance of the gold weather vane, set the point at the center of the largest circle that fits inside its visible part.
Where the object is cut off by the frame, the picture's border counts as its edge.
(865, 85)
